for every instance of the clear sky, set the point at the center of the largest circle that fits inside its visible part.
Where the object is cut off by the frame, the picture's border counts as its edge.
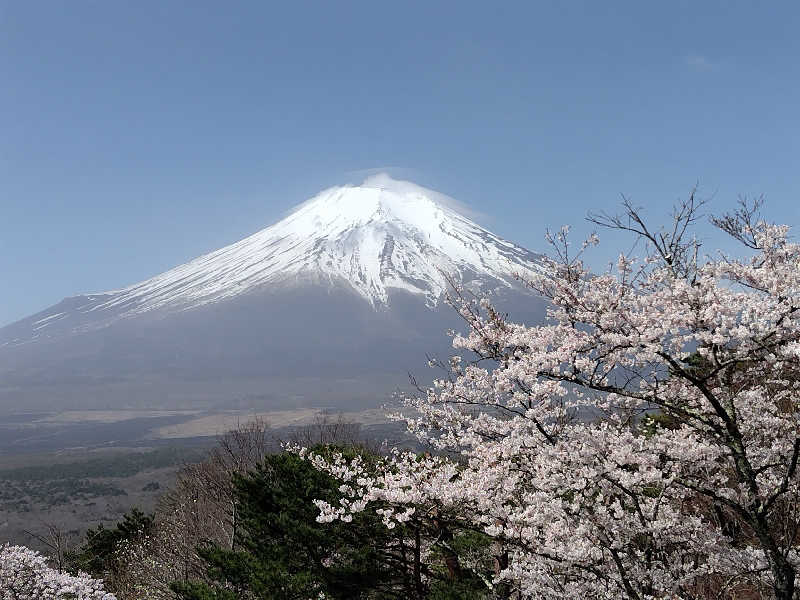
(137, 135)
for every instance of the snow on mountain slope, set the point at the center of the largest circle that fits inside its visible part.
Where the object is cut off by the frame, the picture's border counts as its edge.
(382, 234)
(331, 306)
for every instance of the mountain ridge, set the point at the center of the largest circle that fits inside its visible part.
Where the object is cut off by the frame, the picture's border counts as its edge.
(357, 233)
(381, 235)
(331, 307)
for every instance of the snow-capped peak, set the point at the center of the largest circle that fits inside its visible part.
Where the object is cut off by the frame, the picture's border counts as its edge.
(383, 234)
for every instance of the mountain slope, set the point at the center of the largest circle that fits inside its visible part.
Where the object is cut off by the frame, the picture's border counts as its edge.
(380, 235)
(347, 287)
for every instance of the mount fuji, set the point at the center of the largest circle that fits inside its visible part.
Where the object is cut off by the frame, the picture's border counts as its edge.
(333, 305)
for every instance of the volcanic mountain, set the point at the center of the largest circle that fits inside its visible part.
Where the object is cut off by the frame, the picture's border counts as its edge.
(331, 306)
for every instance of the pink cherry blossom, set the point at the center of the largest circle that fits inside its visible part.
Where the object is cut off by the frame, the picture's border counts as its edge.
(24, 575)
(544, 442)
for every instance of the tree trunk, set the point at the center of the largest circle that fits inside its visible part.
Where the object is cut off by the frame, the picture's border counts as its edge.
(782, 570)
(502, 590)
(419, 588)
(784, 575)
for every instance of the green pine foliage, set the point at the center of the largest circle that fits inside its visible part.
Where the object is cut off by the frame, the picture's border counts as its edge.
(282, 552)
(96, 555)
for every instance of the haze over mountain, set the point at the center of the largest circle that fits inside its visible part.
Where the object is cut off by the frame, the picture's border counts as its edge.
(331, 306)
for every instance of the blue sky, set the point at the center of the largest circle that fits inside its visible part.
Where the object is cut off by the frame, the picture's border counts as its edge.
(138, 135)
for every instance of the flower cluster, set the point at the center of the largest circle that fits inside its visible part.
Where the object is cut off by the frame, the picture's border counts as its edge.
(24, 575)
(642, 443)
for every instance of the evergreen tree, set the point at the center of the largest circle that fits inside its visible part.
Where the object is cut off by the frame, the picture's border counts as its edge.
(283, 552)
(96, 555)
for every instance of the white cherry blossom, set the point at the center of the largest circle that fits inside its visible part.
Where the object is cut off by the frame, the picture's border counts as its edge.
(546, 442)
(25, 575)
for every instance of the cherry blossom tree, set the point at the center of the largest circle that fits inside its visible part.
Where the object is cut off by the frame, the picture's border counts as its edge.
(642, 443)
(24, 575)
